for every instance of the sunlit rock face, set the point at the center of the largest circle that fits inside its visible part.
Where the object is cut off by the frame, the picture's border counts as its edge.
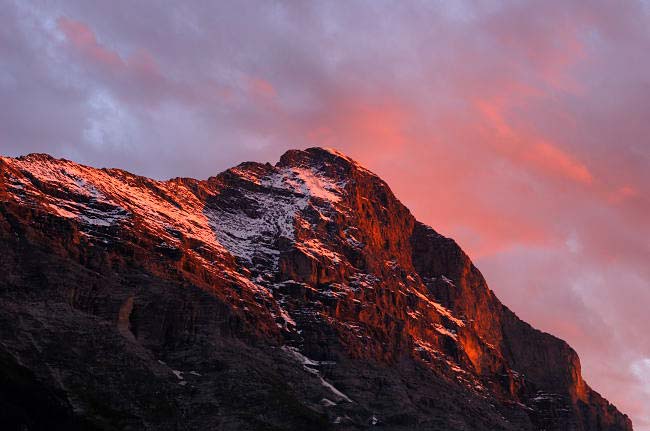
(297, 296)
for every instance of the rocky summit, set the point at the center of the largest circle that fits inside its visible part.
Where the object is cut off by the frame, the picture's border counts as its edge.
(296, 296)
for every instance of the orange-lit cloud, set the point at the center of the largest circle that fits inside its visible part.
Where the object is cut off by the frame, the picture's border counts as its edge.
(84, 40)
(552, 159)
(262, 88)
(377, 125)
(518, 128)
(527, 148)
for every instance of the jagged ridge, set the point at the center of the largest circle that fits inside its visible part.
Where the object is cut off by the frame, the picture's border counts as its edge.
(309, 274)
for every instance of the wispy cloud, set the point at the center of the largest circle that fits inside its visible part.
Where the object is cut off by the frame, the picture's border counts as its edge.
(519, 128)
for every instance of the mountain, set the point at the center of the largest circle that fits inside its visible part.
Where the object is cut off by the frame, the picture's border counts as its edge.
(295, 296)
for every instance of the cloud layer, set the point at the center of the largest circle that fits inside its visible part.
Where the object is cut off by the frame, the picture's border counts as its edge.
(518, 128)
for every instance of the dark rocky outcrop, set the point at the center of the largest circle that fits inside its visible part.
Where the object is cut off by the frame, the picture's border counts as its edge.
(300, 296)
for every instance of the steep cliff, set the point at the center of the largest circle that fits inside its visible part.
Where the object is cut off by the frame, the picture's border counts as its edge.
(297, 296)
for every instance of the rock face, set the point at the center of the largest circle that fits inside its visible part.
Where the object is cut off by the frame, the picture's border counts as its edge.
(300, 296)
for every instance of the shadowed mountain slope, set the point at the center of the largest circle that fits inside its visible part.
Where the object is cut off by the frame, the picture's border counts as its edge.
(295, 296)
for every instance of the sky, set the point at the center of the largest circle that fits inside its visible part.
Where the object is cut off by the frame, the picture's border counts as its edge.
(519, 128)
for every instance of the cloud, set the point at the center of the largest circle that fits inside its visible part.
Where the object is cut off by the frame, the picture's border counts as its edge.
(518, 128)
(85, 41)
(552, 159)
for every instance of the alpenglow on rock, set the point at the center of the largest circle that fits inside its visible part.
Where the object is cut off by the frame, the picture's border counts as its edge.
(295, 296)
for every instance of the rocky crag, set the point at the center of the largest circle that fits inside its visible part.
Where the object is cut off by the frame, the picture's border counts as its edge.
(296, 296)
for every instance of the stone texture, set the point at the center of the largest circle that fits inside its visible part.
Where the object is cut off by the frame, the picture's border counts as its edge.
(290, 297)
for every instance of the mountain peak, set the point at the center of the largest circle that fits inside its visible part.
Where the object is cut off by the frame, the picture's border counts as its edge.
(327, 159)
(38, 156)
(309, 275)
(313, 155)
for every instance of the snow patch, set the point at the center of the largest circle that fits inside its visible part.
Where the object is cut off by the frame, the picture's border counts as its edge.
(325, 402)
(442, 330)
(307, 364)
(448, 281)
(315, 249)
(252, 232)
(439, 308)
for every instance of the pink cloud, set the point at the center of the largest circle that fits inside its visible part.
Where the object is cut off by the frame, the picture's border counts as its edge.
(84, 40)
(262, 88)
(515, 127)
(527, 148)
(554, 160)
